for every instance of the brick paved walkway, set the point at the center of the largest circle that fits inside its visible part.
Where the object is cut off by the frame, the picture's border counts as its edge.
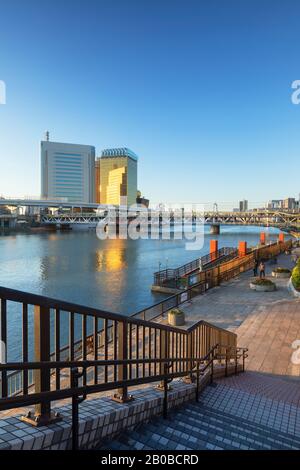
(267, 323)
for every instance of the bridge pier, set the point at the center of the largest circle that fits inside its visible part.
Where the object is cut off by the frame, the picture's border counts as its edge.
(215, 229)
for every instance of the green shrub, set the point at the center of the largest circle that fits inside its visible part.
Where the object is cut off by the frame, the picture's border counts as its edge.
(263, 282)
(176, 311)
(296, 276)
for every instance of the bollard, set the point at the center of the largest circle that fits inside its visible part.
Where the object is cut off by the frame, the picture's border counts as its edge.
(242, 249)
(213, 249)
(262, 238)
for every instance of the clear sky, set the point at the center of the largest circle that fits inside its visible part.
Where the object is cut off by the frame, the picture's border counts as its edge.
(200, 90)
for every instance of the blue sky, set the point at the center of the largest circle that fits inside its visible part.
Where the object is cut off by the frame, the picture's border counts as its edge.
(200, 90)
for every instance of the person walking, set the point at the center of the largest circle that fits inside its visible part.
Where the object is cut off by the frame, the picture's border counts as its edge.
(262, 270)
(255, 268)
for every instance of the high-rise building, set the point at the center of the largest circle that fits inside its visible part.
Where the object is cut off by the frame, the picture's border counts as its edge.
(118, 176)
(289, 203)
(97, 181)
(67, 171)
(275, 204)
(243, 205)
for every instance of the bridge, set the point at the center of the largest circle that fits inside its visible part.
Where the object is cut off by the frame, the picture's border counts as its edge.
(92, 213)
(266, 218)
(46, 203)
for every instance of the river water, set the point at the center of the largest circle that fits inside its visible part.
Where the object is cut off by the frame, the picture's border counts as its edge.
(113, 275)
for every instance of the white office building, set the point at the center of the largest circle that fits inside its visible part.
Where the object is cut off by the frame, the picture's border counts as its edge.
(67, 172)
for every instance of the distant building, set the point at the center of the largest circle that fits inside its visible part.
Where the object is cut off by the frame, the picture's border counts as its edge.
(275, 204)
(118, 176)
(67, 171)
(243, 205)
(289, 203)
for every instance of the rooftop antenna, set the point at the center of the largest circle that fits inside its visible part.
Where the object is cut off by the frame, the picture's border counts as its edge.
(47, 136)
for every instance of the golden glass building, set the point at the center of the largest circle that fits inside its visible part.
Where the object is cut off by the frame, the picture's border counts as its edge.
(118, 176)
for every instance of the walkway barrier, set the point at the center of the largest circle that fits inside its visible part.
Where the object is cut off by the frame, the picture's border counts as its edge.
(272, 249)
(123, 352)
(221, 255)
(201, 283)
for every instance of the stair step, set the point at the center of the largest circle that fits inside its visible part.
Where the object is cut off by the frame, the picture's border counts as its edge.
(226, 430)
(218, 435)
(205, 425)
(242, 424)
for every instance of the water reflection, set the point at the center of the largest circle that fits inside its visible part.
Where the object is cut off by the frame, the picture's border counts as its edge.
(112, 258)
(113, 275)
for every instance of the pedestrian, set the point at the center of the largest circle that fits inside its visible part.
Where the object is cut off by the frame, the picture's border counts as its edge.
(255, 268)
(262, 270)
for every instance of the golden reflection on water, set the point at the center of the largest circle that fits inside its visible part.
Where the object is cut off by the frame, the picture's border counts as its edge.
(52, 237)
(111, 258)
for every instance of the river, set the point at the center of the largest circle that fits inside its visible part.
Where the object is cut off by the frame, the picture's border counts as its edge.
(113, 275)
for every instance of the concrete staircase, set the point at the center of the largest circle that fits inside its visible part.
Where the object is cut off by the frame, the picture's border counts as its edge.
(230, 415)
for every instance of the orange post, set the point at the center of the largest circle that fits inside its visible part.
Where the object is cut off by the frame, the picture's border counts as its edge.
(281, 237)
(242, 249)
(262, 238)
(213, 249)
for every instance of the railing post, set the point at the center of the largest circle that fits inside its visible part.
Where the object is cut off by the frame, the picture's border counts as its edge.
(212, 368)
(244, 352)
(236, 361)
(226, 362)
(122, 338)
(163, 366)
(76, 400)
(197, 383)
(42, 415)
(165, 402)
(3, 345)
(189, 354)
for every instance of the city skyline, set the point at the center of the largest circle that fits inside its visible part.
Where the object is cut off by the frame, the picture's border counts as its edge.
(197, 105)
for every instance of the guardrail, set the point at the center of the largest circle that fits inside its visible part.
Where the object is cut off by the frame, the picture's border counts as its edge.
(120, 352)
(217, 257)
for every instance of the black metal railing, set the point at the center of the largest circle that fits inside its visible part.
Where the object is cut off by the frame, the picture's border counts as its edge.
(223, 254)
(168, 368)
(113, 338)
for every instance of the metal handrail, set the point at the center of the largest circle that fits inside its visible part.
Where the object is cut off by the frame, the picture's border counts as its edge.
(173, 273)
(53, 395)
(78, 392)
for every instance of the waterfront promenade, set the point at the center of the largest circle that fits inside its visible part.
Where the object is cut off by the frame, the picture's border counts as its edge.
(266, 322)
